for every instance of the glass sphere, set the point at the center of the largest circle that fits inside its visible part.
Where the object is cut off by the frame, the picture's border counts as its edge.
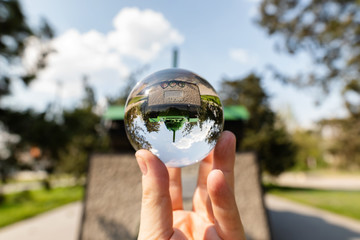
(175, 114)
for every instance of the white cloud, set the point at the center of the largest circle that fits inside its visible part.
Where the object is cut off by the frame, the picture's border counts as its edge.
(196, 135)
(142, 34)
(242, 56)
(138, 34)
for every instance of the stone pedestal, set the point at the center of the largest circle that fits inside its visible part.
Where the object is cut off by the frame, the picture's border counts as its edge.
(113, 197)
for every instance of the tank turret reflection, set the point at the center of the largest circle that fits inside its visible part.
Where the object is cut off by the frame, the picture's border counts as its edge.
(175, 114)
(174, 103)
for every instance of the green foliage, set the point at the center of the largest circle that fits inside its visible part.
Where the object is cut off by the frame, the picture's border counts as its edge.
(34, 130)
(67, 139)
(264, 133)
(67, 144)
(329, 32)
(346, 143)
(310, 150)
(339, 202)
(136, 99)
(82, 127)
(211, 99)
(15, 34)
(326, 30)
(19, 206)
(22, 197)
(352, 87)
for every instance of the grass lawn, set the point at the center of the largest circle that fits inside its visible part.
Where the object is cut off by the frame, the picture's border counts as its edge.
(211, 98)
(345, 203)
(137, 99)
(19, 206)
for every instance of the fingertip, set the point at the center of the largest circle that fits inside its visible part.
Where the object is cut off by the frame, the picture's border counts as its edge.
(141, 162)
(144, 155)
(226, 141)
(215, 174)
(217, 186)
(152, 163)
(224, 156)
(228, 134)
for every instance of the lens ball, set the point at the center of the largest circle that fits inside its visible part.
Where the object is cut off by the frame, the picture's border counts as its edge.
(175, 114)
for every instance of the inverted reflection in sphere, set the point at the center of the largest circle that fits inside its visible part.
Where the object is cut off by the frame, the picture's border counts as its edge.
(175, 114)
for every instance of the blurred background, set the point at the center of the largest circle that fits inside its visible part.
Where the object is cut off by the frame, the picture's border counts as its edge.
(293, 65)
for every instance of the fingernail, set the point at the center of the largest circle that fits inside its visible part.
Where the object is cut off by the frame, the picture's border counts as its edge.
(142, 164)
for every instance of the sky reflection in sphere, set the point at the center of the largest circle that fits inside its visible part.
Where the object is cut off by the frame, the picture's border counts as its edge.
(175, 114)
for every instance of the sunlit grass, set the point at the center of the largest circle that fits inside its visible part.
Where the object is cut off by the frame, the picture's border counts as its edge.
(211, 98)
(137, 99)
(340, 202)
(19, 206)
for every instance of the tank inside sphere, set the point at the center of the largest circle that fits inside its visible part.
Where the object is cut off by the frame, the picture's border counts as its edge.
(175, 114)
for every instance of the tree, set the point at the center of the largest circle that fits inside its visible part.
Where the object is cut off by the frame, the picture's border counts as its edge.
(264, 132)
(15, 36)
(310, 154)
(66, 144)
(345, 144)
(83, 134)
(66, 138)
(35, 129)
(329, 32)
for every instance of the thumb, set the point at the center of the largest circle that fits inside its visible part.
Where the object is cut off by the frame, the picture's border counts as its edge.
(156, 211)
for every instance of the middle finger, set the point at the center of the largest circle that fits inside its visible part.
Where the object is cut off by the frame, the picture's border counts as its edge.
(175, 188)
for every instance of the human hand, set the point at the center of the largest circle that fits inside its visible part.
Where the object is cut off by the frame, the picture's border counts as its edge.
(214, 215)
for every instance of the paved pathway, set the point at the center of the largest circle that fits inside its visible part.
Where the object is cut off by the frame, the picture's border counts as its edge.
(294, 221)
(60, 224)
(289, 220)
(347, 182)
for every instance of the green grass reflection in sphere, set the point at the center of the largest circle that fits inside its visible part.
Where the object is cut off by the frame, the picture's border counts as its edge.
(175, 114)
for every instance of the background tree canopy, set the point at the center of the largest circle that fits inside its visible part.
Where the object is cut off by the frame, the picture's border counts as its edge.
(329, 32)
(264, 132)
(15, 34)
(65, 138)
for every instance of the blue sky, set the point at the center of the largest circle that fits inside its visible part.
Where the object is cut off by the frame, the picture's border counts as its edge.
(108, 39)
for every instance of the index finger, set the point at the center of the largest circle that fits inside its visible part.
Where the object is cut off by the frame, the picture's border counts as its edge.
(224, 156)
(175, 188)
